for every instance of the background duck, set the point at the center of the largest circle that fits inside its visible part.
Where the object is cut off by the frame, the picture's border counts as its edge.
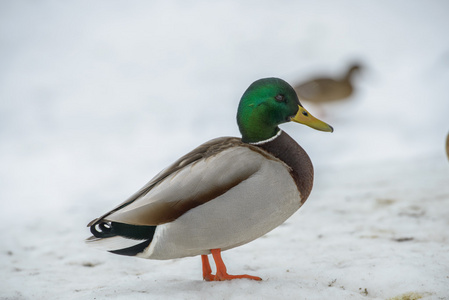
(447, 145)
(325, 89)
(223, 194)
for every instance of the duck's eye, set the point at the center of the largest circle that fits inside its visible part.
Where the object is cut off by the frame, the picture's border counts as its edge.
(280, 98)
(305, 113)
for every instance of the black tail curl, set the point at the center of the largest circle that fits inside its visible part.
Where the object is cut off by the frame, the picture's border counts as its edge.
(105, 229)
(102, 230)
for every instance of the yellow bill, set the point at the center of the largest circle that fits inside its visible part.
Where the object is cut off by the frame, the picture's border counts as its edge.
(304, 117)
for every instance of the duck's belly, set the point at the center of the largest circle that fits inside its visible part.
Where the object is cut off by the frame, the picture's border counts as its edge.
(242, 214)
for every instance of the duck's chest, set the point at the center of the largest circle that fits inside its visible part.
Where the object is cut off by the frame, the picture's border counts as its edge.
(296, 158)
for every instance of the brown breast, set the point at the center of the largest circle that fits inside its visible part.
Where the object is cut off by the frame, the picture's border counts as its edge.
(286, 149)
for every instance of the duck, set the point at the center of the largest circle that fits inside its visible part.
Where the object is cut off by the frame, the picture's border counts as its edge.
(223, 194)
(447, 145)
(325, 89)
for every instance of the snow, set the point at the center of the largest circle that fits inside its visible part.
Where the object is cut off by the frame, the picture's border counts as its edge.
(98, 96)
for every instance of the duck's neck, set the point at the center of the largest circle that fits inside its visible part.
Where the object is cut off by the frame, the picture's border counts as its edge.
(258, 133)
(349, 74)
(269, 139)
(286, 149)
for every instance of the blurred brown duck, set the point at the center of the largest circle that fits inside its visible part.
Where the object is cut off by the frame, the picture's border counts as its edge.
(447, 145)
(323, 89)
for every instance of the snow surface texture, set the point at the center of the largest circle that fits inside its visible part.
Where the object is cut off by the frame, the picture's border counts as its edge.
(97, 96)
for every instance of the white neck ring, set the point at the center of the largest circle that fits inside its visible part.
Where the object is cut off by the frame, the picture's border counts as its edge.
(268, 140)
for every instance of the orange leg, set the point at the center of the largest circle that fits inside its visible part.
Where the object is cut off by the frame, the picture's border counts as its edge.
(207, 271)
(221, 269)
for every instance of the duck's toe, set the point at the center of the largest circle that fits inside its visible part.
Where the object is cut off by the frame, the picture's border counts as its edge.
(226, 276)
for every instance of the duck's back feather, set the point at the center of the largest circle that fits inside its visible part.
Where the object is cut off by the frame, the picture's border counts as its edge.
(192, 180)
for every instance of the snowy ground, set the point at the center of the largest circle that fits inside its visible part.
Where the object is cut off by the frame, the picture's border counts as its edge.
(97, 96)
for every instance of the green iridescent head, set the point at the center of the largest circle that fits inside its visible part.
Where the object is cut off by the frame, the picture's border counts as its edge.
(267, 103)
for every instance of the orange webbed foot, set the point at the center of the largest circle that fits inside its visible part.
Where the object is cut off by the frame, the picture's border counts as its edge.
(221, 274)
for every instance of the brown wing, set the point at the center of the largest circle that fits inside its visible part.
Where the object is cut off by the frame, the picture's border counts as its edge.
(200, 176)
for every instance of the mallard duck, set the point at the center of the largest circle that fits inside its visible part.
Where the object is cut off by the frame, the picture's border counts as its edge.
(323, 89)
(223, 194)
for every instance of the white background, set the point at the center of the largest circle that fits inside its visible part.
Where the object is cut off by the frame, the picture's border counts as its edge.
(97, 96)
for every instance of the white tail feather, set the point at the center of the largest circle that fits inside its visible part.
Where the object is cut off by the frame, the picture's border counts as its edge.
(112, 243)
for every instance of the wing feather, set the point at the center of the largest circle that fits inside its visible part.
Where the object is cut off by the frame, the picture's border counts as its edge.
(205, 173)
